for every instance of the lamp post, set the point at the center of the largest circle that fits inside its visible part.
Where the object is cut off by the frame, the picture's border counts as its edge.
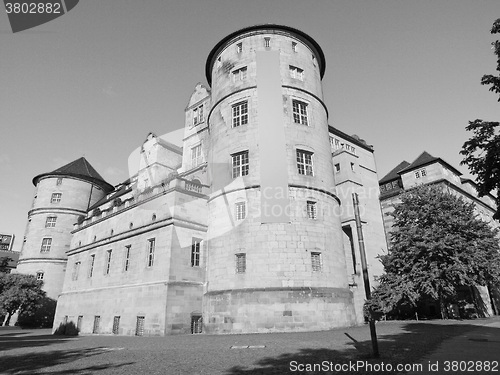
(364, 267)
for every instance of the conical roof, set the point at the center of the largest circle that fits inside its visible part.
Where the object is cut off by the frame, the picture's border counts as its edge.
(80, 168)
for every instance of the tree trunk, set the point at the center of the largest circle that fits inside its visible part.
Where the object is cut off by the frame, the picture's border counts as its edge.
(442, 306)
(7, 319)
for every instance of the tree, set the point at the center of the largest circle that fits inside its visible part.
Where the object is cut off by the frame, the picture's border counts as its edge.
(437, 245)
(482, 150)
(4, 264)
(19, 292)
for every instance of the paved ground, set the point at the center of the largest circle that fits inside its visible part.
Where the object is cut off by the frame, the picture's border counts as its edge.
(404, 342)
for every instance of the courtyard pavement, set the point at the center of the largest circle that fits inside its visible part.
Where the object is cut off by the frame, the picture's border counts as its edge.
(341, 351)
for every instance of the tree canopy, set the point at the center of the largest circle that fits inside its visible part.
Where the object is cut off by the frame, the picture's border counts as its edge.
(19, 292)
(482, 150)
(437, 245)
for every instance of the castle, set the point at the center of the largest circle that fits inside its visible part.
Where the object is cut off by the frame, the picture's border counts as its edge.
(248, 227)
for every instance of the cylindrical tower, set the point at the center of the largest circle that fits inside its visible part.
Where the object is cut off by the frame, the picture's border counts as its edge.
(60, 198)
(275, 255)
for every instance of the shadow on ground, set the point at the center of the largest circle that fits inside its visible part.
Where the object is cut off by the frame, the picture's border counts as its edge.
(409, 347)
(37, 362)
(12, 341)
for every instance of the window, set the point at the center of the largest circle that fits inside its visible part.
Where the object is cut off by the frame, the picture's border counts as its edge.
(299, 112)
(46, 243)
(423, 172)
(151, 252)
(79, 323)
(311, 210)
(296, 73)
(50, 222)
(241, 263)
(240, 164)
(240, 74)
(395, 184)
(76, 270)
(139, 326)
(239, 47)
(91, 265)
(59, 181)
(240, 210)
(294, 46)
(195, 252)
(108, 261)
(382, 188)
(305, 162)
(116, 324)
(56, 198)
(240, 114)
(352, 166)
(39, 275)
(267, 42)
(97, 321)
(337, 168)
(417, 174)
(196, 156)
(198, 115)
(316, 261)
(127, 258)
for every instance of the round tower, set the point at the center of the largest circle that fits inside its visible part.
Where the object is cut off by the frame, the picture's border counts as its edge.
(60, 198)
(275, 255)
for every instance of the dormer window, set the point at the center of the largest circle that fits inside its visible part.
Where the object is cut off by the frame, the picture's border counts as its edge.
(198, 115)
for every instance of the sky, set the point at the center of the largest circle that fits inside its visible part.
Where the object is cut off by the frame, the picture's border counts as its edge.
(403, 75)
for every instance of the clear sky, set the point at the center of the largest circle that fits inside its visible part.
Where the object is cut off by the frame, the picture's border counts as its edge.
(403, 75)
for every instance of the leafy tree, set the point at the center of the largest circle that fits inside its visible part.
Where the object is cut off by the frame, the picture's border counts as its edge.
(4, 263)
(482, 150)
(437, 245)
(19, 292)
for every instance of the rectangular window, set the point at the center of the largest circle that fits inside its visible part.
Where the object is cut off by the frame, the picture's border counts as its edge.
(56, 198)
(108, 261)
(46, 243)
(299, 112)
(311, 210)
(198, 115)
(423, 172)
(39, 275)
(241, 263)
(91, 265)
(240, 114)
(50, 222)
(337, 167)
(59, 181)
(127, 258)
(417, 174)
(316, 261)
(139, 326)
(239, 47)
(382, 188)
(294, 47)
(240, 210)
(76, 270)
(395, 184)
(296, 73)
(305, 162)
(195, 252)
(97, 322)
(116, 324)
(79, 323)
(240, 164)
(240, 74)
(151, 252)
(196, 156)
(267, 42)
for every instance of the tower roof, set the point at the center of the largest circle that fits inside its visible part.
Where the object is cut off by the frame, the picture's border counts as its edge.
(80, 168)
(259, 28)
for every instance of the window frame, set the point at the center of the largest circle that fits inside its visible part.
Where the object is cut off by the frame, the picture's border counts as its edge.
(91, 265)
(312, 210)
(151, 252)
(296, 72)
(109, 254)
(240, 262)
(56, 197)
(305, 164)
(50, 221)
(299, 112)
(239, 114)
(240, 74)
(126, 265)
(196, 252)
(240, 210)
(196, 160)
(40, 275)
(240, 164)
(316, 261)
(46, 244)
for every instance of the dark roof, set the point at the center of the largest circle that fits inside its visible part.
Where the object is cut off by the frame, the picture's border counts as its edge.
(393, 174)
(80, 168)
(299, 34)
(425, 159)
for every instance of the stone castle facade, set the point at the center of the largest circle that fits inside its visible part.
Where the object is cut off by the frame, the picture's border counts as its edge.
(248, 227)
